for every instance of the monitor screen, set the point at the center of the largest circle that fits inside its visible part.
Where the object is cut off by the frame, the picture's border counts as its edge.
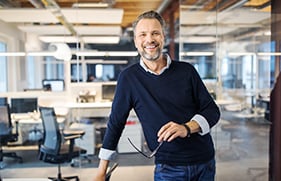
(108, 91)
(53, 84)
(3, 100)
(23, 105)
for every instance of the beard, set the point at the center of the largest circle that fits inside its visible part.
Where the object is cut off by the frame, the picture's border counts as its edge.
(151, 57)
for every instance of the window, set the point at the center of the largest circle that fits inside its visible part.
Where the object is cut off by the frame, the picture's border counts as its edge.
(3, 69)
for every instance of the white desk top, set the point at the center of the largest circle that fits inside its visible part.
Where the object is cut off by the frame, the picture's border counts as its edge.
(225, 101)
(36, 121)
(89, 105)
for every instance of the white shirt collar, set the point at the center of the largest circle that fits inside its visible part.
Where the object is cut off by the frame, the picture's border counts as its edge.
(169, 61)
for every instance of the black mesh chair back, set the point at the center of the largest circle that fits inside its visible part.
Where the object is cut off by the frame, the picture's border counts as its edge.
(52, 137)
(5, 121)
(57, 147)
(6, 134)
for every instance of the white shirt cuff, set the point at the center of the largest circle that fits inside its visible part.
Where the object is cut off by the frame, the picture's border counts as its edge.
(106, 154)
(203, 123)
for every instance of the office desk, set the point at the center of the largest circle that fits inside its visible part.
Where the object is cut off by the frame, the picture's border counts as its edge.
(78, 111)
(95, 109)
(30, 126)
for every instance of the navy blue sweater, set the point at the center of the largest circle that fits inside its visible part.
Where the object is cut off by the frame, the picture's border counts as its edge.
(175, 95)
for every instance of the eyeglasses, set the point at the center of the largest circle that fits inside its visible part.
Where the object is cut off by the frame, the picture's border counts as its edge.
(147, 156)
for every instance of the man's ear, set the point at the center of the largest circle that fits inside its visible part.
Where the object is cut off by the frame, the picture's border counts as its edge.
(135, 42)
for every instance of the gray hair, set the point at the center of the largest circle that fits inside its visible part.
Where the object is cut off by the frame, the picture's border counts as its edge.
(150, 15)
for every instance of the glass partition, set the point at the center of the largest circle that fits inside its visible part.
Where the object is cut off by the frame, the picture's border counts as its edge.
(230, 45)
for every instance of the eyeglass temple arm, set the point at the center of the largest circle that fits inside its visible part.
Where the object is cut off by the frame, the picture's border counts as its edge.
(137, 148)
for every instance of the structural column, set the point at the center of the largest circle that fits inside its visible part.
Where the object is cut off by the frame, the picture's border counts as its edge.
(275, 97)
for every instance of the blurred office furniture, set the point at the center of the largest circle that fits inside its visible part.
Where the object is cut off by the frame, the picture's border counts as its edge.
(90, 109)
(55, 85)
(58, 146)
(26, 108)
(89, 139)
(6, 134)
(3, 100)
(263, 104)
(29, 127)
(108, 91)
(86, 96)
(24, 105)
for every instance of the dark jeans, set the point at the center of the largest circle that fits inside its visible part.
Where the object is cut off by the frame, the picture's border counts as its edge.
(200, 172)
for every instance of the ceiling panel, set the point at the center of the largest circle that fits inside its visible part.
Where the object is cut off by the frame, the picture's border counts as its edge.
(239, 16)
(98, 30)
(206, 30)
(94, 16)
(61, 30)
(27, 15)
(242, 16)
(45, 29)
(85, 39)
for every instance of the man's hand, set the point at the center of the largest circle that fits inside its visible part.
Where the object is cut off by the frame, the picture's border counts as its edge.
(101, 172)
(170, 131)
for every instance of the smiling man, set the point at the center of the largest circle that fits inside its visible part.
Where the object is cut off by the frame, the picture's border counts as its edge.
(172, 104)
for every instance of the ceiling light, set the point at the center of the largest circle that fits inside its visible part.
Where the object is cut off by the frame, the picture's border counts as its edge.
(106, 61)
(43, 53)
(198, 39)
(85, 39)
(11, 54)
(101, 39)
(90, 5)
(196, 53)
(241, 53)
(269, 53)
(107, 54)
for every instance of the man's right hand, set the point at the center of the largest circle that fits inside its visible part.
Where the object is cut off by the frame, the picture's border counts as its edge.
(101, 172)
(99, 177)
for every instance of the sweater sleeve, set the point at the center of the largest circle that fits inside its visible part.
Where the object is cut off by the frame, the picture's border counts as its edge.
(206, 105)
(120, 110)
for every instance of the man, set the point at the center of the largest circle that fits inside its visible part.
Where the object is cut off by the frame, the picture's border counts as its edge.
(173, 107)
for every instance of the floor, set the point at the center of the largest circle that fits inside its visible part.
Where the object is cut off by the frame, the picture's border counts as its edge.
(242, 145)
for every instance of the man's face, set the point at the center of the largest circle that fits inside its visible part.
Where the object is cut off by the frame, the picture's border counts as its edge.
(149, 39)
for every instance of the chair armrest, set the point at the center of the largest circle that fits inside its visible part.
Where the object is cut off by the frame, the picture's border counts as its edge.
(71, 137)
(72, 134)
(77, 133)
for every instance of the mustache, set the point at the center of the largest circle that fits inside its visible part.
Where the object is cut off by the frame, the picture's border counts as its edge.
(152, 43)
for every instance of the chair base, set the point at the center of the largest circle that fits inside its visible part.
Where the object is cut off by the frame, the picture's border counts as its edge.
(61, 178)
(9, 155)
(64, 178)
(12, 155)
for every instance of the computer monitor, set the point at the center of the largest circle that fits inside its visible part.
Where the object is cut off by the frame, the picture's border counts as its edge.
(3, 100)
(53, 84)
(108, 91)
(24, 105)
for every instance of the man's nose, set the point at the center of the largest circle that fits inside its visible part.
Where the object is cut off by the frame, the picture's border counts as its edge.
(150, 38)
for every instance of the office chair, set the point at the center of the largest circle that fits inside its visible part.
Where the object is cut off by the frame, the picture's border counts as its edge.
(58, 146)
(6, 134)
